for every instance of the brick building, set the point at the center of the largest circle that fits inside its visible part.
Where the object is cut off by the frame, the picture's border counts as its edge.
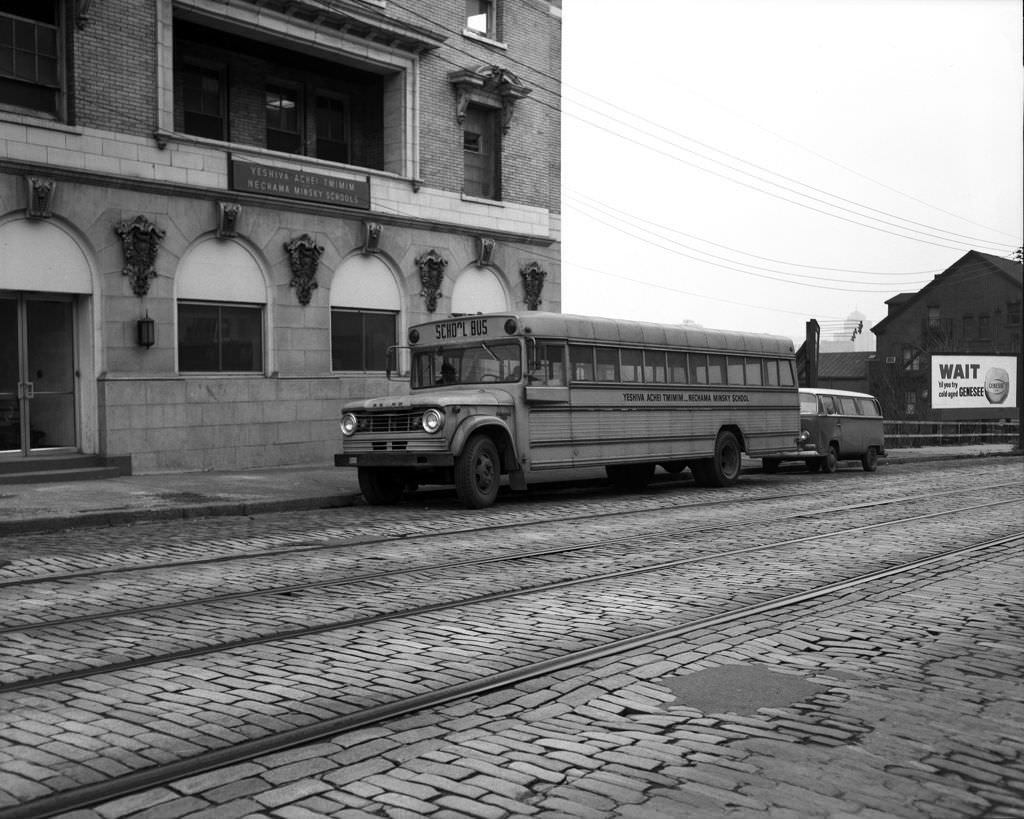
(972, 307)
(216, 215)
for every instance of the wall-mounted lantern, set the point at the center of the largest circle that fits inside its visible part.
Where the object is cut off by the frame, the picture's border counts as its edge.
(146, 332)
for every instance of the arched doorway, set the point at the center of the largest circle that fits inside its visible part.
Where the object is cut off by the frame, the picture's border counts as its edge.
(44, 276)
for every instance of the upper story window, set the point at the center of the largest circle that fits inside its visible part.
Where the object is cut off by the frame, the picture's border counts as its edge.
(284, 119)
(934, 317)
(984, 327)
(331, 120)
(204, 100)
(481, 151)
(481, 18)
(30, 59)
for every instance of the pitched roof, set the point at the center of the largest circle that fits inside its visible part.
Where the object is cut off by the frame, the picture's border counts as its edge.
(843, 365)
(981, 262)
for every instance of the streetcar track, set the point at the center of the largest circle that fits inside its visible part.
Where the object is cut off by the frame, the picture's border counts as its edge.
(342, 580)
(161, 774)
(307, 631)
(490, 525)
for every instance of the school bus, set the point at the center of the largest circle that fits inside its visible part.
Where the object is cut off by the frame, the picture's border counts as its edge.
(520, 396)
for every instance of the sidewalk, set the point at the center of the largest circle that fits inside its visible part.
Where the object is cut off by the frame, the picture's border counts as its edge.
(52, 506)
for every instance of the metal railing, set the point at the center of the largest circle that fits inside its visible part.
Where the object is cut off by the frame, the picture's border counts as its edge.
(908, 434)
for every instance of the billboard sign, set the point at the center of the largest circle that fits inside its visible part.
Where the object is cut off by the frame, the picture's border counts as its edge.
(974, 382)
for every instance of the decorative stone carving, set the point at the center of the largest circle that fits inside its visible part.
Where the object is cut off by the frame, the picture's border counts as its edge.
(485, 252)
(371, 241)
(227, 223)
(40, 197)
(140, 241)
(82, 12)
(304, 257)
(533, 283)
(431, 266)
(489, 85)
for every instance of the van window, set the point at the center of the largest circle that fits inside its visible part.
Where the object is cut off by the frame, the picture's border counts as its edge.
(847, 406)
(869, 407)
(826, 406)
(808, 404)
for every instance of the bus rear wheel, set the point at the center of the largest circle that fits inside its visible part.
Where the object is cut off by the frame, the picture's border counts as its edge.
(478, 473)
(724, 468)
(381, 487)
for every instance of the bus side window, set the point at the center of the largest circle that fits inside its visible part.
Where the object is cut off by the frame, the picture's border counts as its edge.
(771, 372)
(607, 364)
(699, 368)
(716, 369)
(654, 366)
(677, 368)
(753, 366)
(734, 369)
(549, 367)
(786, 377)
(581, 359)
(632, 364)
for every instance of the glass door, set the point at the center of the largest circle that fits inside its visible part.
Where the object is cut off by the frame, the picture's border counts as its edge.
(37, 374)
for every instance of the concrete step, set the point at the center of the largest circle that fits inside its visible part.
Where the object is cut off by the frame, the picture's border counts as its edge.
(92, 473)
(61, 467)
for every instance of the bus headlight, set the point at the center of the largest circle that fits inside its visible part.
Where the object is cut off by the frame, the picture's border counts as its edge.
(349, 424)
(433, 421)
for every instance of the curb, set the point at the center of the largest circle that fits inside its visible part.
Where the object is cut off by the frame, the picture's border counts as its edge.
(86, 520)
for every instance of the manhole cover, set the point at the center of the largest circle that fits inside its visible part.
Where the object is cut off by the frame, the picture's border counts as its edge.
(739, 689)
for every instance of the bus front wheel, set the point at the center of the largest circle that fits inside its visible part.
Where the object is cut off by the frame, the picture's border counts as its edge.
(381, 487)
(724, 468)
(478, 473)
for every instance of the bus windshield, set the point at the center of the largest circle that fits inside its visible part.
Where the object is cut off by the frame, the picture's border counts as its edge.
(482, 362)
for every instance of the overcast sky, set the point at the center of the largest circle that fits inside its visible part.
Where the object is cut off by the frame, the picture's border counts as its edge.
(750, 164)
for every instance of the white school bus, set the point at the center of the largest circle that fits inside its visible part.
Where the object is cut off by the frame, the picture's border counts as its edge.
(522, 396)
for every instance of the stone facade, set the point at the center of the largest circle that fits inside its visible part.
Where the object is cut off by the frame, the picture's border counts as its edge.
(116, 151)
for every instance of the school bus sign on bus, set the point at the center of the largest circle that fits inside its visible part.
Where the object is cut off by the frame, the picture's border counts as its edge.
(966, 382)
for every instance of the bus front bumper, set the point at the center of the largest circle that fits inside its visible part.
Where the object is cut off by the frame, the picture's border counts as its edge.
(395, 460)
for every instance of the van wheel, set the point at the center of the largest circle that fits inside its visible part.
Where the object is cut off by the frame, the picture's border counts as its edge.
(870, 459)
(830, 463)
(381, 487)
(478, 473)
(724, 468)
(770, 465)
(629, 477)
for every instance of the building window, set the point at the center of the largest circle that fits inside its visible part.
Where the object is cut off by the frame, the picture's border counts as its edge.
(30, 73)
(360, 339)
(1013, 312)
(203, 101)
(284, 119)
(480, 18)
(968, 328)
(481, 151)
(331, 120)
(910, 403)
(911, 359)
(934, 318)
(984, 327)
(217, 338)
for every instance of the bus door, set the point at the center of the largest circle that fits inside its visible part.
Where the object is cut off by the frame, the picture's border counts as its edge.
(549, 412)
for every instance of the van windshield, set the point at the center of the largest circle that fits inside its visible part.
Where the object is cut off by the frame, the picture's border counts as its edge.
(478, 363)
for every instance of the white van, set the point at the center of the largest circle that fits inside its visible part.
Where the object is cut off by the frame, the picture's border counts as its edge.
(835, 425)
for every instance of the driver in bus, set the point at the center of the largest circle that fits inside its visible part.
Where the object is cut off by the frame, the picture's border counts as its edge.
(447, 373)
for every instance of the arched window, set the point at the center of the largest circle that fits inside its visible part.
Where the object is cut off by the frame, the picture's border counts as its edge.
(479, 290)
(365, 305)
(221, 295)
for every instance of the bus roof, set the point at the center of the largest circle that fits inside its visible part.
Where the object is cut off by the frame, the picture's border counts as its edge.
(642, 333)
